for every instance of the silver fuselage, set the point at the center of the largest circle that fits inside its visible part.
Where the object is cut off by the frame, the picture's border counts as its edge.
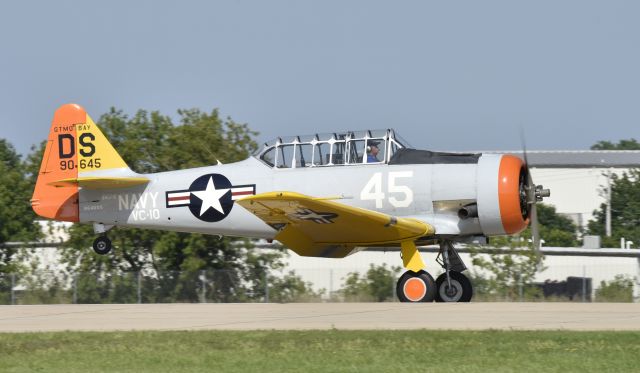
(432, 193)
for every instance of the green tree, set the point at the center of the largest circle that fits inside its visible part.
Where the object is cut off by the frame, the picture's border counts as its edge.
(508, 272)
(625, 211)
(555, 229)
(630, 144)
(620, 289)
(16, 216)
(291, 288)
(377, 284)
(355, 288)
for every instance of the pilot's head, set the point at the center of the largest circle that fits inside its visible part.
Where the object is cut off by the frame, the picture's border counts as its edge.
(372, 147)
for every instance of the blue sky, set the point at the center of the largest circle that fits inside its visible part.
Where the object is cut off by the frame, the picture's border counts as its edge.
(448, 75)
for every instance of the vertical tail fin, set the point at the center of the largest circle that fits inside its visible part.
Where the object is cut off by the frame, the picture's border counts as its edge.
(75, 146)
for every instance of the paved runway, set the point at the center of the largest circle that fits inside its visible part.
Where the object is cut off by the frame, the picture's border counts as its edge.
(471, 316)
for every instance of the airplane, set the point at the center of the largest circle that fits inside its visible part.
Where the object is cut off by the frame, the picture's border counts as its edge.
(323, 195)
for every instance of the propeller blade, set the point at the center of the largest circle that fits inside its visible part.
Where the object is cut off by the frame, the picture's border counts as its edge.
(535, 229)
(532, 199)
(530, 185)
(524, 147)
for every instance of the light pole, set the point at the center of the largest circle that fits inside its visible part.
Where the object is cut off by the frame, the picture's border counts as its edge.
(608, 216)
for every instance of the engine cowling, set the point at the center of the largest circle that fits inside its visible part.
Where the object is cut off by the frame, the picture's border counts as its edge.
(501, 194)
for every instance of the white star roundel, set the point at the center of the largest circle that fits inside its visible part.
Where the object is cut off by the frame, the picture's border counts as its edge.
(210, 197)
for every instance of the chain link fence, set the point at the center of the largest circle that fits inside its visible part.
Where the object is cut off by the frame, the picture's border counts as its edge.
(45, 287)
(577, 283)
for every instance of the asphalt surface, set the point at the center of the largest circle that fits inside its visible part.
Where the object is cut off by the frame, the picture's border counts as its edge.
(300, 316)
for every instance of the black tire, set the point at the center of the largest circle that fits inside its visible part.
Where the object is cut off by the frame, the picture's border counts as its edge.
(427, 280)
(460, 283)
(102, 245)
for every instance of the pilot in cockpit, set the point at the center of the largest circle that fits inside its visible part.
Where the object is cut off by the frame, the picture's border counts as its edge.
(372, 152)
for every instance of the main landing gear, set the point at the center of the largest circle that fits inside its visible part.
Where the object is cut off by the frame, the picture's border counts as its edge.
(417, 285)
(102, 244)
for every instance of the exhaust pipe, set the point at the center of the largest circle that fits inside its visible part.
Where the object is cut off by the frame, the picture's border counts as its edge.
(468, 211)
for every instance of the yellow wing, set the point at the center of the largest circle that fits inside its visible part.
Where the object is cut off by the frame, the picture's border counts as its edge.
(324, 228)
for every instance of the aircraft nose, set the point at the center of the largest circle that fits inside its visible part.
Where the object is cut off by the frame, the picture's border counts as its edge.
(512, 196)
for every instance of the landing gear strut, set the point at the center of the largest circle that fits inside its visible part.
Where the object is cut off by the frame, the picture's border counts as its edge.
(417, 285)
(102, 245)
(452, 285)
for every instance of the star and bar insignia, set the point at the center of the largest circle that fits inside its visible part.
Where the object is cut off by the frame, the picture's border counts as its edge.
(314, 216)
(210, 197)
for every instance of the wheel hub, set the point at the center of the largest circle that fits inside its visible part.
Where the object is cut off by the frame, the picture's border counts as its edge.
(451, 293)
(415, 289)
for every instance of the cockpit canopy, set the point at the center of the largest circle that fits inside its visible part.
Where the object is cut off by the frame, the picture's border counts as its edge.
(331, 149)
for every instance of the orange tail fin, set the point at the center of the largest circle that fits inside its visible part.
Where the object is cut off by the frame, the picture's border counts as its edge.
(75, 146)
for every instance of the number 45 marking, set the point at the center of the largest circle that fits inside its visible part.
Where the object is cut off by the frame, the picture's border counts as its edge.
(373, 189)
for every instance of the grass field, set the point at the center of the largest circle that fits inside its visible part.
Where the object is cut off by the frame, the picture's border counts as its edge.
(321, 351)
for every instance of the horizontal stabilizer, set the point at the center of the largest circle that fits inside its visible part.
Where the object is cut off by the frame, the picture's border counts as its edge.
(100, 182)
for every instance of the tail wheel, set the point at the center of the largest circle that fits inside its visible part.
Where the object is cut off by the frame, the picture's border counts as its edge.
(102, 245)
(416, 287)
(459, 291)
